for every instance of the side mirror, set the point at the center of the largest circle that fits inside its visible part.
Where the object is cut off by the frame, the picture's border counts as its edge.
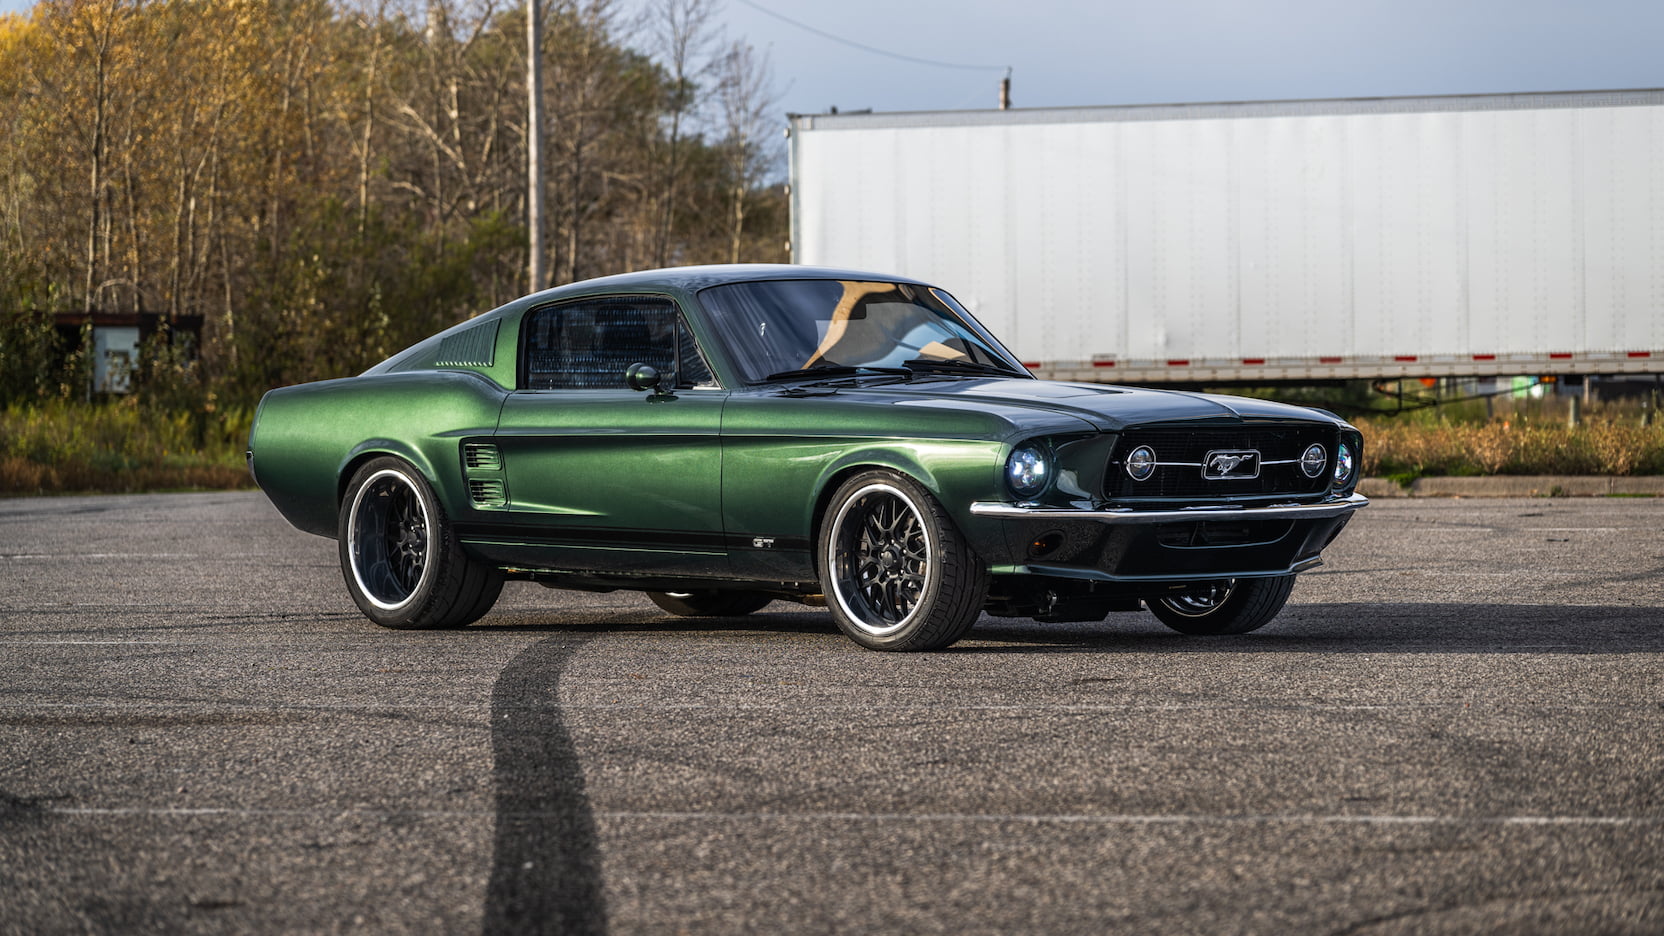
(640, 376)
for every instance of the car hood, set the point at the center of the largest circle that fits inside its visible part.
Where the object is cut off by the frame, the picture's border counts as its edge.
(1109, 408)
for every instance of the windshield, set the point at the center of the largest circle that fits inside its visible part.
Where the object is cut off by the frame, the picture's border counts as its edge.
(775, 328)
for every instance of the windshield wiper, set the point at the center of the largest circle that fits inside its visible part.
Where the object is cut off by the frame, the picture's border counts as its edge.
(963, 367)
(823, 371)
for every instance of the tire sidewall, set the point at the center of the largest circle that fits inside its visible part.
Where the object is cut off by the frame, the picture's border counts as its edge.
(1250, 605)
(919, 501)
(412, 609)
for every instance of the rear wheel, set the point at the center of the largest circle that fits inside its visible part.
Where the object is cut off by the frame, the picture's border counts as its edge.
(710, 603)
(1232, 606)
(401, 560)
(897, 573)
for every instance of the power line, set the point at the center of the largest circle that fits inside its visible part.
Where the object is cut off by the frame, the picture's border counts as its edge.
(867, 48)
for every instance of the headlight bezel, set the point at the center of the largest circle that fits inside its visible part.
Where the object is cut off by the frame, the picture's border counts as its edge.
(1345, 463)
(1033, 461)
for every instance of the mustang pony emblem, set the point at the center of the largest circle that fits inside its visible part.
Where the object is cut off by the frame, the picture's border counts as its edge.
(1228, 465)
(1224, 463)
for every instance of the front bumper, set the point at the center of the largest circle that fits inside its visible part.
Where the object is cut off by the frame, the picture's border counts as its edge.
(1178, 545)
(1330, 508)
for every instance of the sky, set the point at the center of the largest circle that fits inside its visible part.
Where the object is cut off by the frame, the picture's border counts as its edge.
(1173, 51)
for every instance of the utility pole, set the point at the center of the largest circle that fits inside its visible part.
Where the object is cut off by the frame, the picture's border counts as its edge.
(1005, 90)
(534, 144)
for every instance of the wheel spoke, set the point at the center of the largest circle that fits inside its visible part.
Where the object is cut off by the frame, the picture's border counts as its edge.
(882, 560)
(875, 526)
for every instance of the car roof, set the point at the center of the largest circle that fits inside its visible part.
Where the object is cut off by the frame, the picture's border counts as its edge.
(695, 278)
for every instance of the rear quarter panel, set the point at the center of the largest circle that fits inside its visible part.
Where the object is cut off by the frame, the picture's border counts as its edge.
(307, 439)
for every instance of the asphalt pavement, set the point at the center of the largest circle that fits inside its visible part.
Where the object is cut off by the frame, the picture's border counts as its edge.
(1456, 726)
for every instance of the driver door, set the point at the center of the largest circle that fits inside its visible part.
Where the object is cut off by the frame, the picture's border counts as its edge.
(601, 477)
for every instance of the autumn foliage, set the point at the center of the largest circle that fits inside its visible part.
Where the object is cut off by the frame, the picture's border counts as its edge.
(323, 182)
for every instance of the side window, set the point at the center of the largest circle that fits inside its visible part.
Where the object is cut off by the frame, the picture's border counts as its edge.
(588, 344)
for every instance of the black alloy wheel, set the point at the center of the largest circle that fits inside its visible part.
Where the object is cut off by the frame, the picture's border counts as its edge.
(1230, 606)
(897, 573)
(401, 560)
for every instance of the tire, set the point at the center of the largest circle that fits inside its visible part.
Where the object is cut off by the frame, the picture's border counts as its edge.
(711, 603)
(401, 560)
(1233, 606)
(896, 572)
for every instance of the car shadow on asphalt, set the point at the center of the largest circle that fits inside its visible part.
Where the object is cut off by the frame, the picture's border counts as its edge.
(1363, 627)
(652, 621)
(1360, 627)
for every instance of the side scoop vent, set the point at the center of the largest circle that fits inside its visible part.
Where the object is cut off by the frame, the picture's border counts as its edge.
(482, 457)
(486, 493)
(471, 347)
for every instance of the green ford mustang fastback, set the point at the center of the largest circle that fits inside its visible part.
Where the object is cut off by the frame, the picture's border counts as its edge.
(721, 437)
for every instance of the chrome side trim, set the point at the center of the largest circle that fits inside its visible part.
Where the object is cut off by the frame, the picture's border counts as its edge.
(1331, 508)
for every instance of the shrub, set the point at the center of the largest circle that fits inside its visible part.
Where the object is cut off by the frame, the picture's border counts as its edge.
(1408, 450)
(62, 446)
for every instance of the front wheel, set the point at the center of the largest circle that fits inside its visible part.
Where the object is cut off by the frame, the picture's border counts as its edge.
(1233, 606)
(897, 573)
(403, 564)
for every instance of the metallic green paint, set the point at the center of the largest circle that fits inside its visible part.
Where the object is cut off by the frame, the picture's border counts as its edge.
(618, 488)
(618, 460)
(307, 440)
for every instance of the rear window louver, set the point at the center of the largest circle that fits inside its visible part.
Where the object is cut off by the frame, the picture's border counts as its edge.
(471, 347)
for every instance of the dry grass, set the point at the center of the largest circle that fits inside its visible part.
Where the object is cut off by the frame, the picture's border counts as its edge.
(1408, 450)
(60, 447)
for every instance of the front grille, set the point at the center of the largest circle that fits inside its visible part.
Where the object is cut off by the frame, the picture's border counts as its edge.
(1279, 445)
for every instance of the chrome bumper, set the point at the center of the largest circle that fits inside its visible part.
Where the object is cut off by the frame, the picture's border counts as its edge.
(1324, 510)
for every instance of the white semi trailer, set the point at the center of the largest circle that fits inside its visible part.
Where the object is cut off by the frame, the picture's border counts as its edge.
(1483, 235)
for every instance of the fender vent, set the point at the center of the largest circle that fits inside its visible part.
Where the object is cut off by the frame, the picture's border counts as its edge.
(471, 347)
(486, 493)
(482, 457)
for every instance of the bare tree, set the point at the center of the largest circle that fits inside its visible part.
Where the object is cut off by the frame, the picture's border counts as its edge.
(747, 99)
(682, 35)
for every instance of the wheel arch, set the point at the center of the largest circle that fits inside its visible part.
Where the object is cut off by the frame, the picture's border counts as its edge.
(942, 467)
(368, 451)
(854, 464)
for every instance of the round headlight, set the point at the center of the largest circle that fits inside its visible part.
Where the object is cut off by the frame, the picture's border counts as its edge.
(1027, 471)
(1141, 463)
(1313, 460)
(1343, 464)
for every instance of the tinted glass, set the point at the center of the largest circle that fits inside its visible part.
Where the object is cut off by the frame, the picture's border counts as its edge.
(786, 325)
(589, 345)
